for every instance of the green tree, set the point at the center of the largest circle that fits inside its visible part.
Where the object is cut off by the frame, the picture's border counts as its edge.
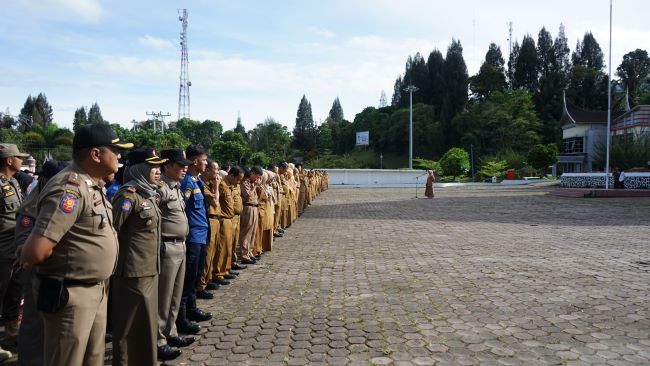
(336, 112)
(240, 129)
(455, 162)
(7, 121)
(417, 74)
(435, 66)
(494, 168)
(456, 83)
(525, 76)
(272, 138)
(491, 76)
(232, 148)
(41, 141)
(259, 158)
(36, 111)
(541, 157)
(588, 53)
(304, 132)
(396, 101)
(634, 69)
(587, 88)
(325, 137)
(206, 133)
(80, 119)
(95, 115)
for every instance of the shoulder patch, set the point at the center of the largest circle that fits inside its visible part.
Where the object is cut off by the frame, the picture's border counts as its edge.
(188, 193)
(26, 221)
(127, 204)
(68, 203)
(73, 178)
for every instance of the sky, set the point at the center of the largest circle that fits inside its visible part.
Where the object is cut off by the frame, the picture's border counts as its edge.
(258, 58)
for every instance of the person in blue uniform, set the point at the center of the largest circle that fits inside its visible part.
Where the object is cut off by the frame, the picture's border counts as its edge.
(192, 190)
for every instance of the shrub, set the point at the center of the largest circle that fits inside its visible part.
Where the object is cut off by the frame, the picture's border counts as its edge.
(455, 162)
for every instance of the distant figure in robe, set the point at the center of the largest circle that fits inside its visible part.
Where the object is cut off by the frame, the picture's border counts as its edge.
(428, 192)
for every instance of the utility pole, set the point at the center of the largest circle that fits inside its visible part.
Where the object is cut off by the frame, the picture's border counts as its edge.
(158, 117)
(410, 89)
(609, 99)
(184, 88)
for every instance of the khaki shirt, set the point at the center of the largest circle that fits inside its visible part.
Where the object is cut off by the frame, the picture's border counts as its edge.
(26, 216)
(226, 201)
(211, 194)
(10, 199)
(137, 222)
(174, 223)
(74, 213)
(248, 193)
(235, 191)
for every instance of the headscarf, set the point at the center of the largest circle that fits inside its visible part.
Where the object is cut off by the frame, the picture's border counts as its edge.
(137, 176)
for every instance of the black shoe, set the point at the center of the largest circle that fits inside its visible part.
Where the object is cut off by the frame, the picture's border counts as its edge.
(188, 327)
(212, 286)
(166, 353)
(277, 235)
(281, 231)
(180, 341)
(247, 261)
(108, 337)
(238, 267)
(233, 273)
(229, 276)
(222, 282)
(204, 295)
(198, 315)
(258, 257)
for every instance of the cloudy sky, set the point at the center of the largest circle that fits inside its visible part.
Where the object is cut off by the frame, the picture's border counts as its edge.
(259, 57)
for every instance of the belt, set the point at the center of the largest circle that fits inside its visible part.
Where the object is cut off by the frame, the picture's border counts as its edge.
(225, 218)
(214, 217)
(252, 204)
(173, 240)
(76, 283)
(237, 214)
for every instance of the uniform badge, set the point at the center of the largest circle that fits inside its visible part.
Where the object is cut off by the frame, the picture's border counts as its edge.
(68, 203)
(26, 221)
(126, 205)
(188, 193)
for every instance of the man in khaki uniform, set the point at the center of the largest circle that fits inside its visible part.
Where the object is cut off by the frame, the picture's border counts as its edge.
(74, 248)
(211, 192)
(226, 235)
(174, 230)
(250, 216)
(236, 221)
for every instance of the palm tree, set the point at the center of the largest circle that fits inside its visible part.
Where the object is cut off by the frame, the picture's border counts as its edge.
(49, 141)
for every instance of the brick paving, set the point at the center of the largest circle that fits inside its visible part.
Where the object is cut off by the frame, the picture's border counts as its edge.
(481, 276)
(490, 276)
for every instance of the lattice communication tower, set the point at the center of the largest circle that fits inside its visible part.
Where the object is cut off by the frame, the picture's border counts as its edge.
(184, 89)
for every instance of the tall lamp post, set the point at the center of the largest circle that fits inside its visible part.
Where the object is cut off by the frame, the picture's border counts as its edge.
(410, 89)
(609, 99)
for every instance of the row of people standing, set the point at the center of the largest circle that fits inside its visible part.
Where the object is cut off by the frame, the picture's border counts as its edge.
(177, 228)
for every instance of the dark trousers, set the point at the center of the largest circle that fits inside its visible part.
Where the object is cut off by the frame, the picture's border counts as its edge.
(11, 290)
(194, 265)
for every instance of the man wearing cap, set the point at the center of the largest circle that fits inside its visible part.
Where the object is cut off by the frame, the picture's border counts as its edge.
(10, 200)
(172, 263)
(73, 248)
(192, 189)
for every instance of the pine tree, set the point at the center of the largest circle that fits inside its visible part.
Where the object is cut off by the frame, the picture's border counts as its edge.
(512, 64)
(561, 51)
(435, 66)
(239, 128)
(80, 119)
(633, 71)
(304, 132)
(417, 75)
(36, 111)
(587, 87)
(95, 115)
(588, 53)
(491, 76)
(383, 101)
(396, 101)
(456, 83)
(336, 112)
(526, 66)
(545, 53)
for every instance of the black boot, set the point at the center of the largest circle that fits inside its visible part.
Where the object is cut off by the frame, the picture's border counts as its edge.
(184, 325)
(196, 314)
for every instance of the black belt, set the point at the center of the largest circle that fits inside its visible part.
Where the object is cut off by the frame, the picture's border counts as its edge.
(237, 214)
(214, 217)
(173, 240)
(76, 283)
(252, 204)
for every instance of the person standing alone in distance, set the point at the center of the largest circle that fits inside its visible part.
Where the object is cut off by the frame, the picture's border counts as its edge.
(428, 191)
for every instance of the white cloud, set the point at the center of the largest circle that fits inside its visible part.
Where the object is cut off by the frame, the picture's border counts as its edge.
(85, 10)
(325, 33)
(155, 42)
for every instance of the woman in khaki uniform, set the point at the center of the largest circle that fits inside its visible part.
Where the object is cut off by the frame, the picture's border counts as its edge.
(137, 221)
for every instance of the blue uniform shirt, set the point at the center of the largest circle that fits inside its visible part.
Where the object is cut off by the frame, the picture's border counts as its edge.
(197, 216)
(112, 189)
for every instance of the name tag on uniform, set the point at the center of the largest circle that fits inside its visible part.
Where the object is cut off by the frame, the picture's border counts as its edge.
(197, 190)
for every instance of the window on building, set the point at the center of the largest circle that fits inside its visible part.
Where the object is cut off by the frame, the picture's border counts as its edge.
(574, 145)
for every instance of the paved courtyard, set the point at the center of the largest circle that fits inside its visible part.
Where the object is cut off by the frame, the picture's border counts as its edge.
(484, 276)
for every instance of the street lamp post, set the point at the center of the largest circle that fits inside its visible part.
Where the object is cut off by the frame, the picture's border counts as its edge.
(609, 99)
(410, 89)
(381, 161)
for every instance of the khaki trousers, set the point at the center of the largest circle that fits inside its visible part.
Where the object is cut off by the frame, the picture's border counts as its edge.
(249, 220)
(170, 289)
(75, 334)
(224, 250)
(235, 239)
(135, 321)
(257, 248)
(210, 250)
(278, 213)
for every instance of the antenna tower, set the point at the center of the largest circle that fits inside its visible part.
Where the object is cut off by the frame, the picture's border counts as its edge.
(184, 89)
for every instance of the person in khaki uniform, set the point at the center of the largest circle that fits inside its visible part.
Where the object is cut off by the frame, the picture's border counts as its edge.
(135, 284)
(30, 335)
(174, 230)
(236, 221)
(228, 213)
(73, 247)
(266, 198)
(11, 197)
(212, 179)
(250, 216)
(277, 207)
